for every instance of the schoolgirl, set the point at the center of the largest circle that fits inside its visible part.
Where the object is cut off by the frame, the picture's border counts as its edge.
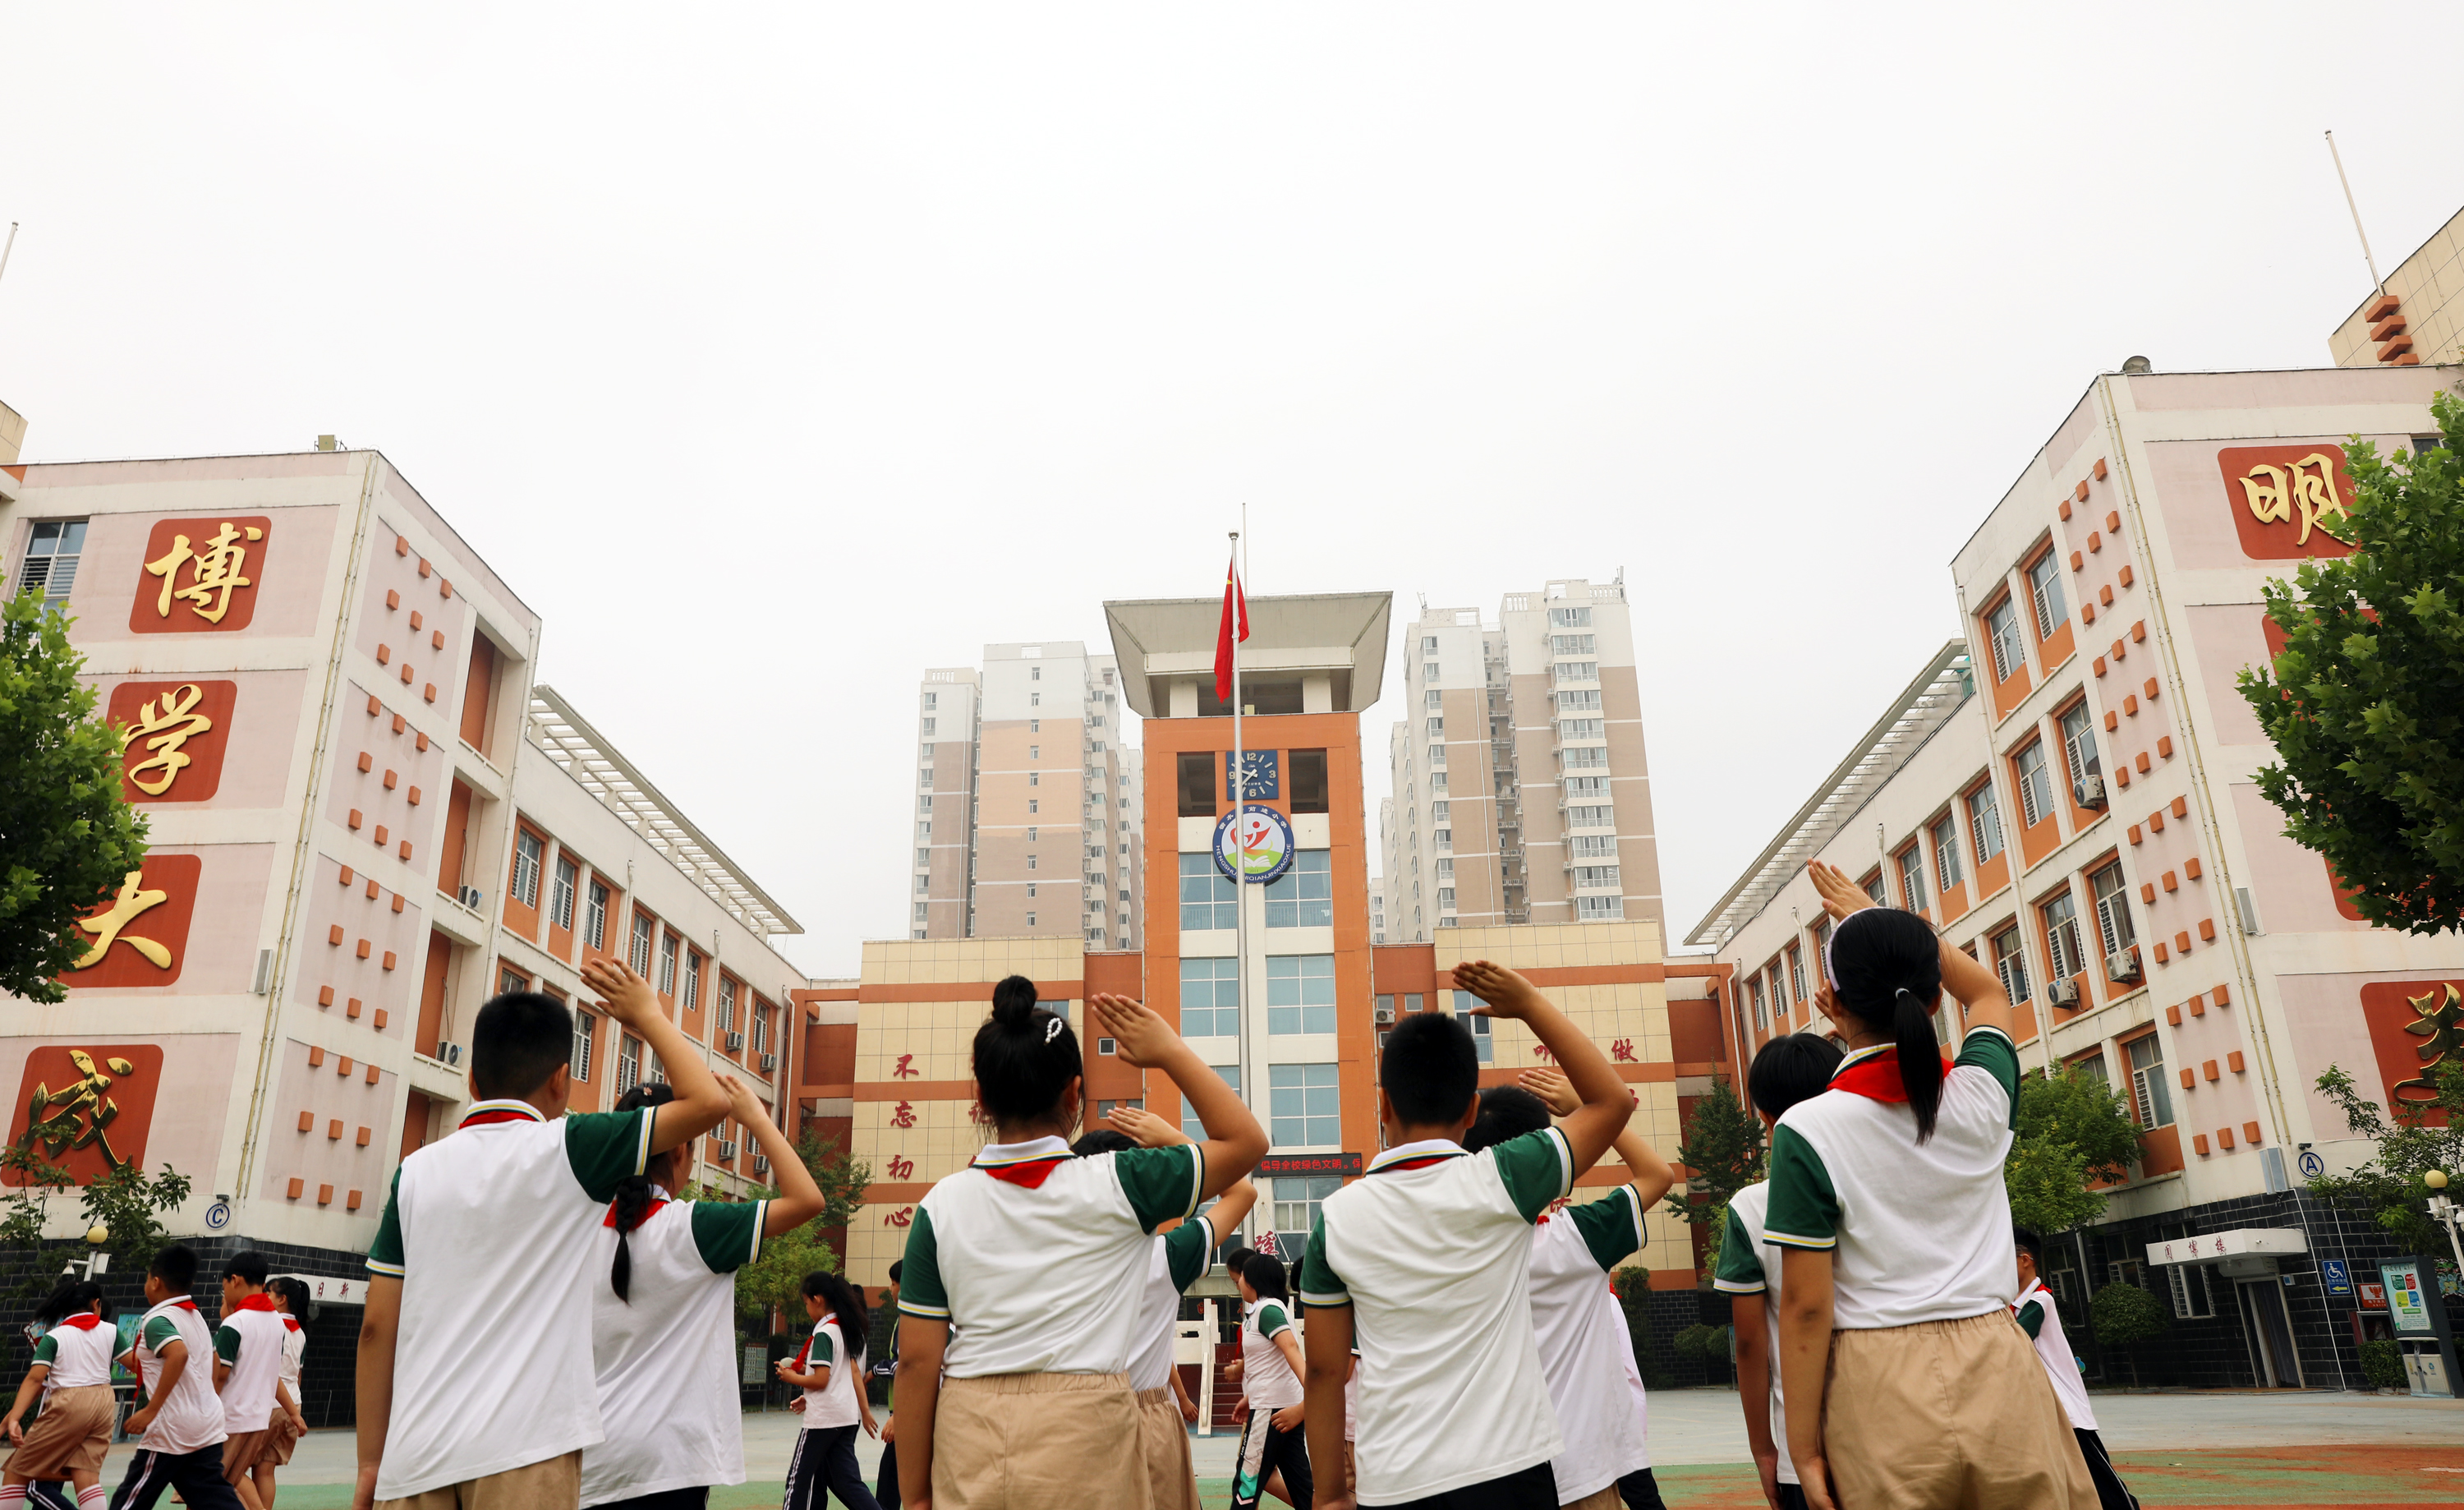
(662, 1323)
(831, 1370)
(72, 1373)
(1036, 1398)
(1886, 1200)
(290, 1300)
(1274, 1438)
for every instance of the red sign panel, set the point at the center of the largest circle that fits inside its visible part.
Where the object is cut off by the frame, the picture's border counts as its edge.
(200, 575)
(141, 935)
(2413, 1025)
(86, 1107)
(1310, 1163)
(177, 732)
(2280, 495)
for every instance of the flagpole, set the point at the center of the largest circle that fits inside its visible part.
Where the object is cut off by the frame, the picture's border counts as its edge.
(1237, 601)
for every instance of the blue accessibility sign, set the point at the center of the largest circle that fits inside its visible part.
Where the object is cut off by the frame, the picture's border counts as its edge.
(2339, 1279)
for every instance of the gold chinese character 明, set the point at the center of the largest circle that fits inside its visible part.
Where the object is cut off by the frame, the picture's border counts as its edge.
(75, 1116)
(2284, 489)
(214, 572)
(165, 724)
(125, 909)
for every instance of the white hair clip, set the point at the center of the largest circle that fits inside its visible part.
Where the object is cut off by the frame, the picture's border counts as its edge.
(1053, 1028)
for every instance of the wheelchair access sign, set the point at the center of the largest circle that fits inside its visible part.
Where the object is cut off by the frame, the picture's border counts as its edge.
(2336, 1276)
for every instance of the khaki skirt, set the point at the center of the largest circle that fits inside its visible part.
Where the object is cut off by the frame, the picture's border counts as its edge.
(71, 1436)
(1172, 1478)
(1033, 1441)
(1948, 1415)
(279, 1441)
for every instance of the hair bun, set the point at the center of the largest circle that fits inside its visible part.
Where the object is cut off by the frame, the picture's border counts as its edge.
(1014, 1002)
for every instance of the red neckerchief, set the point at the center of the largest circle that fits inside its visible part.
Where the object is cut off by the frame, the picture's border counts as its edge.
(652, 1211)
(83, 1320)
(182, 1304)
(255, 1302)
(1030, 1173)
(1877, 1079)
(290, 1323)
(483, 1118)
(802, 1353)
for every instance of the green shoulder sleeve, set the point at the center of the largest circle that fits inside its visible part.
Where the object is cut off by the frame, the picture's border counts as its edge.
(2032, 1317)
(159, 1334)
(1320, 1284)
(46, 1349)
(1611, 1228)
(1162, 1184)
(1537, 1169)
(920, 1293)
(384, 1254)
(227, 1343)
(1272, 1319)
(1186, 1249)
(823, 1350)
(1991, 1049)
(728, 1234)
(605, 1147)
(1804, 1211)
(1741, 1267)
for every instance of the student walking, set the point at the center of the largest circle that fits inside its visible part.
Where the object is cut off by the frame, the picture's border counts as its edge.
(179, 1428)
(829, 1369)
(289, 1298)
(71, 1374)
(476, 1379)
(1273, 1439)
(248, 1372)
(1905, 1381)
(885, 1478)
(2043, 1320)
(662, 1326)
(1024, 1271)
(1790, 1068)
(1586, 1348)
(1424, 1265)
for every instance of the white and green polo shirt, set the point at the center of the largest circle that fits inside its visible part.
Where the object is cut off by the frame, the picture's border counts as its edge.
(1744, 1270)
(1921, 1231)
(190, 1416)
(1584, 1341)
(834, 1403)
(77, 1352)
(250, 1344)
(2038, 1316)
(986, 1239)
(1266, 1377)
(1431, 1249)
(488, 1230)
(1179, 1258)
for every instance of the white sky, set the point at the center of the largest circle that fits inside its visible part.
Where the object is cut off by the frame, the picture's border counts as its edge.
(774, 356)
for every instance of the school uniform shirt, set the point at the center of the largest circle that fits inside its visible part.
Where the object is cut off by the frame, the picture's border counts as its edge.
(833, 1404)
(250, 1344)
(665, 1362)
(983, 1235)
(294, 1351)
(1351, 1398)
(1267, 1376)
(1581, 1333)
(1919, 1232)
(489, 1231)
(1432, 1250)
(2039, 1317)
(1179, 1258)
(191, 1415)
(77, 1352)
(1746, 1270)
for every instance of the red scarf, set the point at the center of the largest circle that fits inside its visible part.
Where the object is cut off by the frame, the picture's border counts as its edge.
(652, 1211)
(83, 1320)
(182, 1304)
(290, 1324)
(1877, 1079)
(505, 1114)
(255, 1302)
(803, 1351)
(1028, 1172)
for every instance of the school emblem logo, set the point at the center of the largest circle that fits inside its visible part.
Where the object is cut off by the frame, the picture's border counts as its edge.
(1254, 844)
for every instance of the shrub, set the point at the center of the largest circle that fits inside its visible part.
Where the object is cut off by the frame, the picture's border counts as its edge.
(2383, 1365)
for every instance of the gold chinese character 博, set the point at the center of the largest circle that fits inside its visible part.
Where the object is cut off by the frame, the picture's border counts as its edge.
(214, 572)
(164, 724)
(106, 927)
(76, 1115)
(2274, 499)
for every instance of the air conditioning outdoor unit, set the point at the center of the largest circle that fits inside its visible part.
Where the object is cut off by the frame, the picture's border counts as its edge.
(468, 896)
(726, 1149)
(1385, 1017)
(760, 1164)
(2090, 791)
(735, 1042)
(448, 1053)
(2124, 967)
(2063, 992)
(769, 1061)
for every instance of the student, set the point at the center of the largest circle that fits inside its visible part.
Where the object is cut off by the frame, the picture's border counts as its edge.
(1584, 1341)
(2043, 1320)
(476, 1374)
(72, 1373)
(1423, 1262)
(829, 1369)
(1165, 1411)
(1273, 1439)
(289, 1298)
(248, 1371)
(1790, 1068)
(885, 1479)
(1886, 1197)
(663, 1317)
(179, 1428)
(1036, 1401)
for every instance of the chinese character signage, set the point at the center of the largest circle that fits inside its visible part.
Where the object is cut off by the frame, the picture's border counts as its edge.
(2287, 502)
(1310, 1163)
(1261, 777)
(2415, 1026)
(2408, 1297)
(86, 1107)
(141, 935)
(201, 576)
(174, 734)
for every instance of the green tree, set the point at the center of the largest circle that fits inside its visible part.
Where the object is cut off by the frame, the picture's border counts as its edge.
(843, 1179)
(2365, 706)
(2071, 1128)
(2387, 1185)
(2123, 1315)
(1722, 1150)
(771, 1282)
(130, 1205)
(67, 833)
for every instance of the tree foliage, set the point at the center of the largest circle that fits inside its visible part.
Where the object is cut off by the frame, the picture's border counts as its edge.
(773, 1281)
(2388, 1184)
(843, 1179)
(2072, 1128)
(67, 833)
(2365, 706)
(1722, 1150)
(2123, 1314)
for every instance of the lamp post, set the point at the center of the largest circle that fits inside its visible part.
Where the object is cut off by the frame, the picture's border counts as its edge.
(2445, 1211)
(96, 1261)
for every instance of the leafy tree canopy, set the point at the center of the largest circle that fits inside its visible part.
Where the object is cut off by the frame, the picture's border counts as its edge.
(773, 1281)
(2071, 1128)
(2388, 1185)
(1722, 1150)
(2124, 1315)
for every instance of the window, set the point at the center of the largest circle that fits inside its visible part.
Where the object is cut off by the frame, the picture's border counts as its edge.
(1300, 993)
(1436, 754)
(1435, 699)
(2002, 638)
(1593, 846)
(1573, 645)
(1778, 992)
(559, 907)
(2078, 743)
(2011, 963)
(52, 560)
(1588, 876)
(1587, 788)
(1946, 852)
(1194, 771)
(2148, 1091)
(726, 1022)
(1297, 1200)
(639, 957)
(510, 980)
(1582, 729)
(1302, 1106)
(1436, 728)
(1482, 1042)
(761, 1029)
(931, 700)
(1444, 839)
(1190, 1125)
(692, 980)
(1302, 897)
(1874, 888)
(1439, 812)
(1912, 878)
(1034, 726)
(1583, 757)
(2045, 590)
(527, 851)
(1035, 752)
(1210, 998)
(2112, 910)
(2036, 785)
(1307, 769)
(1445, 898)
(1035, 699)
(2062, 936)
(586, 1029)
(596, 917)
(1591, 818)
(668, 965)
(628, 1064)
(1437, 782)
(2188, 1282)
(1570, 618)
(928, 727)
(1755, 994)
(1030, 833)
(1429, 671)
(2128, 1271)
(1796, 973)
(1568, 702)
(1821, 947)
(1208, 900)
(1984, 822)
(1578, 671)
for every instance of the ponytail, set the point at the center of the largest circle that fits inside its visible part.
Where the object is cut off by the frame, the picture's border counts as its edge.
(633, 1194)
(1885, 968)
(847, 1303)
(1025, 1055)
(1919, 1057)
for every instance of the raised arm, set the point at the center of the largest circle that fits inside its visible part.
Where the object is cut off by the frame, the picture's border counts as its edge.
(800, 1196)
(1234, 1142)
(1978, 990)
(1646, 1171)
(1606, 1105)
(700, 1104)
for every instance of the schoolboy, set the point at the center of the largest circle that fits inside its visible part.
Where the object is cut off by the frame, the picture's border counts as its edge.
(247, 1370)
(1790, 1068)
(2040, 1319)
(179, 1428)
(1423, 1263)
(476, 1377)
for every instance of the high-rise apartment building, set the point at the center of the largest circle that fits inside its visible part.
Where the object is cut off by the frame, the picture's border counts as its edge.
(1026, 812)
(1521, 792)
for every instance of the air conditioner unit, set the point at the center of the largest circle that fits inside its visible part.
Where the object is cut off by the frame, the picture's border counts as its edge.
(448, 1053)
(2089, 790)
(760, 1164)
(726, 1150)
(2124, 967)
(1385, 1017)
(769, 1061)
(2063, 992)
(735, 1042)
(468, 896)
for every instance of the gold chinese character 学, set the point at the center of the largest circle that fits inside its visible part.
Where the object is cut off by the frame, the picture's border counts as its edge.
(2273, 497)
(164, 724)
(124, 908)
(75, 1116)
(214, 572)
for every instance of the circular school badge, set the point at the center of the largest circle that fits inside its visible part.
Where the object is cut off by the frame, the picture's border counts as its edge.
(1254, 844)
(218, 1216)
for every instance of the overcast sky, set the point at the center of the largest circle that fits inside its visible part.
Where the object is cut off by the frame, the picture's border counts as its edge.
(774, 354)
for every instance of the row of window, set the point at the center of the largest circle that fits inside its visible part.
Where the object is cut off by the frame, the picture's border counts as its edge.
(1302, 897)
(1200, 777)
(2002, 616)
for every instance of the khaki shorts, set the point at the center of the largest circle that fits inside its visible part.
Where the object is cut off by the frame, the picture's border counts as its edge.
(240, 1451)
(279, 1441)
(552, 1484)
(1952, 1415)
(70, 1436)
(1172, 1479)
(1033, 1441)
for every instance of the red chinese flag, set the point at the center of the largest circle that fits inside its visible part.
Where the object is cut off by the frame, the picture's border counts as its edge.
(1236, 627)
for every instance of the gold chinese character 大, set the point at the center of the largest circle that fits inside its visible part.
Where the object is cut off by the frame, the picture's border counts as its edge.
(125, 909)
(164, 724)
(76, 1115)
(214, 572)
(2275, 496)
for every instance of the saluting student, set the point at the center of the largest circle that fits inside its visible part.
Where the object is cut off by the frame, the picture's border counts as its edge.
(1036, 1401)
(1886, 1197)
(1790, 1068)
(179, 1428)
(289, 1298)
(2042, 1320)
(248, 1371)
(662, 1326)
(1585, 1346)
(829, 1369)
(71, 1374)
